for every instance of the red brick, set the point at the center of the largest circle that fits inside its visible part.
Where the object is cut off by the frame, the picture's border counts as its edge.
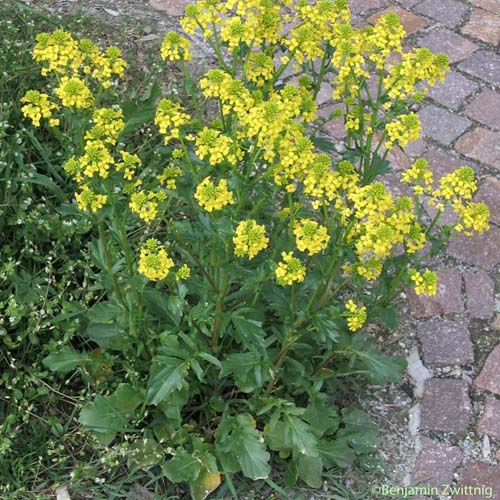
(485, 107)
(483, 64)
(489, 193)
(482, 145)
(445, 406)
(448, 299)
(435, 463)
(480, 290)
(489, 378)
(490, 421)
(483, 481)
(483, 25)
(447, 12)
(410, 21)
(480, 250)
(443, 40)
(453, 91)
(491, 5)
(445, 343)
(442, 125)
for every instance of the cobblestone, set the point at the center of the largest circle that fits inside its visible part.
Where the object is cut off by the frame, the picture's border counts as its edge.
(480, 291)
(453, 91)
(489, 193)
(446, 406)
(490, 421)
(447, 12)
(442, 125)
(480, 250)
(485, 108)
(482, 145)
(483, 64)
(411, 23)
(483, 25)
(479, 476)
(489, 378)
(443, 40)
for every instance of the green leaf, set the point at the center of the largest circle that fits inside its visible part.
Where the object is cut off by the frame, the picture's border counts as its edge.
(204, 485)
(183, 467)
(321, 415)
(244, 444)
(324, 144)
(48, 183)
(336, 453)
(291, 435)
(359, 431)
(108, 415)
(249, 370)
(249, 332)
(310, 470)
(106, 312)
(144, 453)
(65, 360)
(381, 368)
(106, 335)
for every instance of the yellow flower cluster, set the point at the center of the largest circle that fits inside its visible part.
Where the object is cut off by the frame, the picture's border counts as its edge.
(128, 165)
(213, 197)
(289, 270)
(405, 129)
(96, 159)
(37, 106)
(170, 117)
(175, 47)
(154, 261)
(88, 200)
(259, 68)
(311, 236)
(169, 175)
(183, 273)
(250, 239)
(420, 176)
(217, 147)
(108, 123)
(356, 316)
(424, 283)
(145, 204)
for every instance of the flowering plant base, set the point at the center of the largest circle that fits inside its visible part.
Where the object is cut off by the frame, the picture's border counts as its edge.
(240, 264)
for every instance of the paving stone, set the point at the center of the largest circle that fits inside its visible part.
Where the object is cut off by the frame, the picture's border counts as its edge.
(491, 5)
(448, 299)
(479, 481)
(482, 145)
(411, 23)
(398, 159)
(416, 148)
(171, 7)
(453, 91)
(485, 107)
(407, 4)
(362, 6)
(441, 164)
(480, 291)
(490, 421)
(483, 25)
(435, 463)
(325, 94)
(334, 128)
(443, 40)
(489, 192)
(447, 12)
(483, 64)
(442, 125)
(445, 342)
(489, 378)
(445, 406)
(480, 250)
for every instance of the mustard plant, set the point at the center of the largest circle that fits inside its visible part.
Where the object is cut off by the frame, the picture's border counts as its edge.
(240, 261)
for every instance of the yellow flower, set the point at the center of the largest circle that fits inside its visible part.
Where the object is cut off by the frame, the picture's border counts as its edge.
(175, 47)
(59, 49)
(213, 197)
(96, 159)
(144, 204)
(170, 117)
(128, 165)
(311, 236)
(250, 239)
(74, 92)
(88, 200)
(259, 68)
(473, 216)
(169, 175)
(108, 123)
(356, 316)
(424, 283)
(183, 273)
(405, 129)
(460, 183)
(217, 147)
(154, 261)
(419, 175)
(37, 106)
(290, 270)
(108, 65)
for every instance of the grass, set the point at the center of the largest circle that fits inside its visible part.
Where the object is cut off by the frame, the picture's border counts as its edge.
(43, 291)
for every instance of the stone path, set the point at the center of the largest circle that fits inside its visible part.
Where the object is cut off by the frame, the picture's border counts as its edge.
(456, 420)
(455, 360)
